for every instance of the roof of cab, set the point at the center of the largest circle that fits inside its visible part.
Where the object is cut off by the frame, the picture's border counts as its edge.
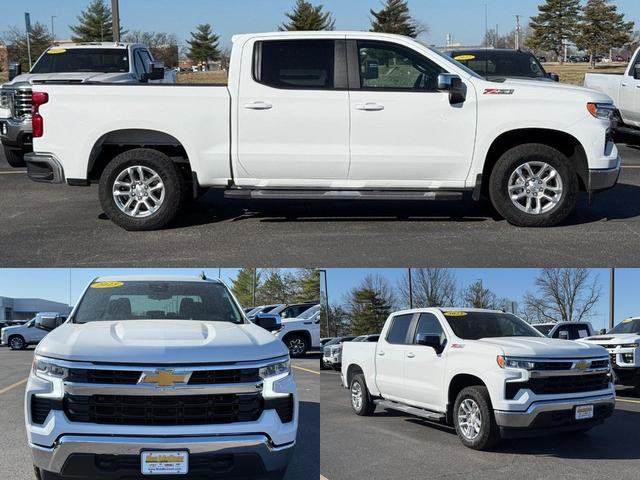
(116, 45)
(155, 278)
(320, 33)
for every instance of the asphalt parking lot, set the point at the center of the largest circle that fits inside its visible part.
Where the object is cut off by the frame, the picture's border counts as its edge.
(394, 445)
(15, 459)
(57, 225)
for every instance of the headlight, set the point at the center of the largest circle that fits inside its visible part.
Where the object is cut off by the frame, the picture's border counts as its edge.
(46, 368)
(506, 362)
(602, 111)
(275, 369)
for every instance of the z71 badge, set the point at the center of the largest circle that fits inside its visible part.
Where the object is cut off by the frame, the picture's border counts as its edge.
(498, 91)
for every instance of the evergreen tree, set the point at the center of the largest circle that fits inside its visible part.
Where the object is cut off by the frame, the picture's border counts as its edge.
(16, 42)
(308, 285)
(243, 286)
(602, 28)
(278, 287)
(556, 24)
(306, 17)
(203, 46)
(394, 17)
(476, 296)
(95, 24)
(369, 306)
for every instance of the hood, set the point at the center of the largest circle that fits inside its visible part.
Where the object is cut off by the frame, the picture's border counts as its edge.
(12, 328)
(76, 77)
(538, 89)
(543, 347)
(614, 339)
(161, 342)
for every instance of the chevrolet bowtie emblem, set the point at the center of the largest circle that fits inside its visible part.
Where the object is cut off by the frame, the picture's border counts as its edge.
(164, 378)
(583, 364)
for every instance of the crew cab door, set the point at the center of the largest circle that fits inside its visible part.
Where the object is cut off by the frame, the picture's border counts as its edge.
(292, 113)
(424, 367)
(389, 359)
(404, 132)
(629, 98)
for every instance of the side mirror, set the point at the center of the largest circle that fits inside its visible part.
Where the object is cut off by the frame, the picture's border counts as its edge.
(432, 341)
(157, 72)
(602, 331)
(554, 76)
(449, 82)
(15, 69)
(563, 335)
(47, 323)
(268, 321)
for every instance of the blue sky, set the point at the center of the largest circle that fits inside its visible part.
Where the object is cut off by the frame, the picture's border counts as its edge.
(464, 19)
(510, 283)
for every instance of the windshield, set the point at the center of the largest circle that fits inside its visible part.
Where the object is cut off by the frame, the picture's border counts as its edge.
(157, 300)
(458, 64)
(309, 313)
(631, 325)
(477, 325)
(544, 329)
(73, 60)
(494, 64)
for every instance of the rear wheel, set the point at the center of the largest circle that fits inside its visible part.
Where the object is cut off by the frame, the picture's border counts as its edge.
(17, 342)
(361, 401)
(141, 189)
(297, 345)
(533, 185)
(474, 420)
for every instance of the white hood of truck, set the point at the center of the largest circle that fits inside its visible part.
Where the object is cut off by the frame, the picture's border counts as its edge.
(79, 77)
(614, 339)
(161, 342)
(543, 347)
(544, 90)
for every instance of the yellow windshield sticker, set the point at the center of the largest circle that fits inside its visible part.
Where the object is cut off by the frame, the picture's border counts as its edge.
(455, 314)
(628, 320)
(464, 58)
(106, 284)
(53, 51)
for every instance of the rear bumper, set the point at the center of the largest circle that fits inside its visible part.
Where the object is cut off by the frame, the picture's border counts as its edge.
(242, 456)
(44, 168)
(553, 416)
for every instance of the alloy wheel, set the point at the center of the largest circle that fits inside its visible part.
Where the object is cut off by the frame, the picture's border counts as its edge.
(535, 187)
(469, 419)
(138, 191)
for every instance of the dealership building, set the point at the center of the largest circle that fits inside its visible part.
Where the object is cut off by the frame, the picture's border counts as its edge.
(17, 309)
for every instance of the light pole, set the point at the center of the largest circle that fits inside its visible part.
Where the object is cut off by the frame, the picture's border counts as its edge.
(410, 290)
(326, 298)
(53, 34)
(115, 20)
(612, 295)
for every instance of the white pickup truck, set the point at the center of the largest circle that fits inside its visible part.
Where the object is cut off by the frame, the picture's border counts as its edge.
(301, 333)
(328, 115)
(624, 89)
(19, 336)
(487, 373)
(71, 63)
(623, 344)
(160, 376)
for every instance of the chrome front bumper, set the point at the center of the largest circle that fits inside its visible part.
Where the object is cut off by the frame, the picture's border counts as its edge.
(526, 418)
(53, 459)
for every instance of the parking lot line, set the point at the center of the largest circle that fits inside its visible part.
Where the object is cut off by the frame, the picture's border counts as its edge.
(627, 400)
(12, 172)
(305, 369)
(10, 387)
(322, 477)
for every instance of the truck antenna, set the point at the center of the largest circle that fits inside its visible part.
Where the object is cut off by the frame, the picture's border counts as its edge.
(202, 275)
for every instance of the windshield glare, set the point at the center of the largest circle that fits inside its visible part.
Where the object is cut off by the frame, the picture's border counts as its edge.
(309, 313)
(627, 326)
(477, 325)
(98, 60)
(494, 64)
(157, 300)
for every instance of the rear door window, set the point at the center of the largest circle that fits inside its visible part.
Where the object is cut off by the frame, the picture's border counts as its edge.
(399, 329)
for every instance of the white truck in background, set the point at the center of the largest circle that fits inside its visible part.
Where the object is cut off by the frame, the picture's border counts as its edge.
(624, 89)
(623, 344)
(565, 330)
(301, 333)
(72, 63)
(160, 375)
(328, 115)
(18, 337)
(487, 373)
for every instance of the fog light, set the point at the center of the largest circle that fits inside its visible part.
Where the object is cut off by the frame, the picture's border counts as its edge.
(3, 128)
(627, 357)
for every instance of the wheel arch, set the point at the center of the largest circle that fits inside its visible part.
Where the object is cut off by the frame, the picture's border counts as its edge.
(459, 382)
(352, 371)
(115, 142)
(564, 142)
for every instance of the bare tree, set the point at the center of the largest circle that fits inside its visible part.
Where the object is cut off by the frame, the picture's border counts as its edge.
(476, 296)
(432, 287)
(564, 294)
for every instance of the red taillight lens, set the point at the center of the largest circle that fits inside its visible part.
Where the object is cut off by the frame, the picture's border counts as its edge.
(37, 122)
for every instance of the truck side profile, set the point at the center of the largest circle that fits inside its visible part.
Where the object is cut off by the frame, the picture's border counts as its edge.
(20, 336)
(328, 115)
(487, 373)
(160, 376)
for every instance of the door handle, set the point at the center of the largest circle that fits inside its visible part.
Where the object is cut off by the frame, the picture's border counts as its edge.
(258, 106)
(410, 355)
(381, 353)
(370, 107)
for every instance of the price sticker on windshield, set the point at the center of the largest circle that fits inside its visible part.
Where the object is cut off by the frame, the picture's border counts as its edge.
(106, 284)
(455, 314)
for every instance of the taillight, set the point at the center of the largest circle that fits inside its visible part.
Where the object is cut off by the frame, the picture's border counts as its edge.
(37, 122)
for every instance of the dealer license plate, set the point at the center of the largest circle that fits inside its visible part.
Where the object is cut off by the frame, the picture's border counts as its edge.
(584, 412)
(165, 463)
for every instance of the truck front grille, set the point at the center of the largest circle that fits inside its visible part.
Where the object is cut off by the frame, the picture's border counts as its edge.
(131, 377)
(560, 385)
(163, 410)
(18, 101)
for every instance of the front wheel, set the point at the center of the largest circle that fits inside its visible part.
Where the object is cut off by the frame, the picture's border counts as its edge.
(297, 345)
(141, 189)
(360, 399)
(17, 343)
(474, 420)
(533, 185)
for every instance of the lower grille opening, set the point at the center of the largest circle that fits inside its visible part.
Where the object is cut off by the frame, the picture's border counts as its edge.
(40, 408)
(559, 385)
(282, 406)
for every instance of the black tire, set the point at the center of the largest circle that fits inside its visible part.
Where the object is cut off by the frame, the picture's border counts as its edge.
(489, 434)
(44, 475)
(367, 407)
(15, 158)
(337, 367)
(171, 178)
(322, 365)
(297, 344)
(512, 160)
(16, 342)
